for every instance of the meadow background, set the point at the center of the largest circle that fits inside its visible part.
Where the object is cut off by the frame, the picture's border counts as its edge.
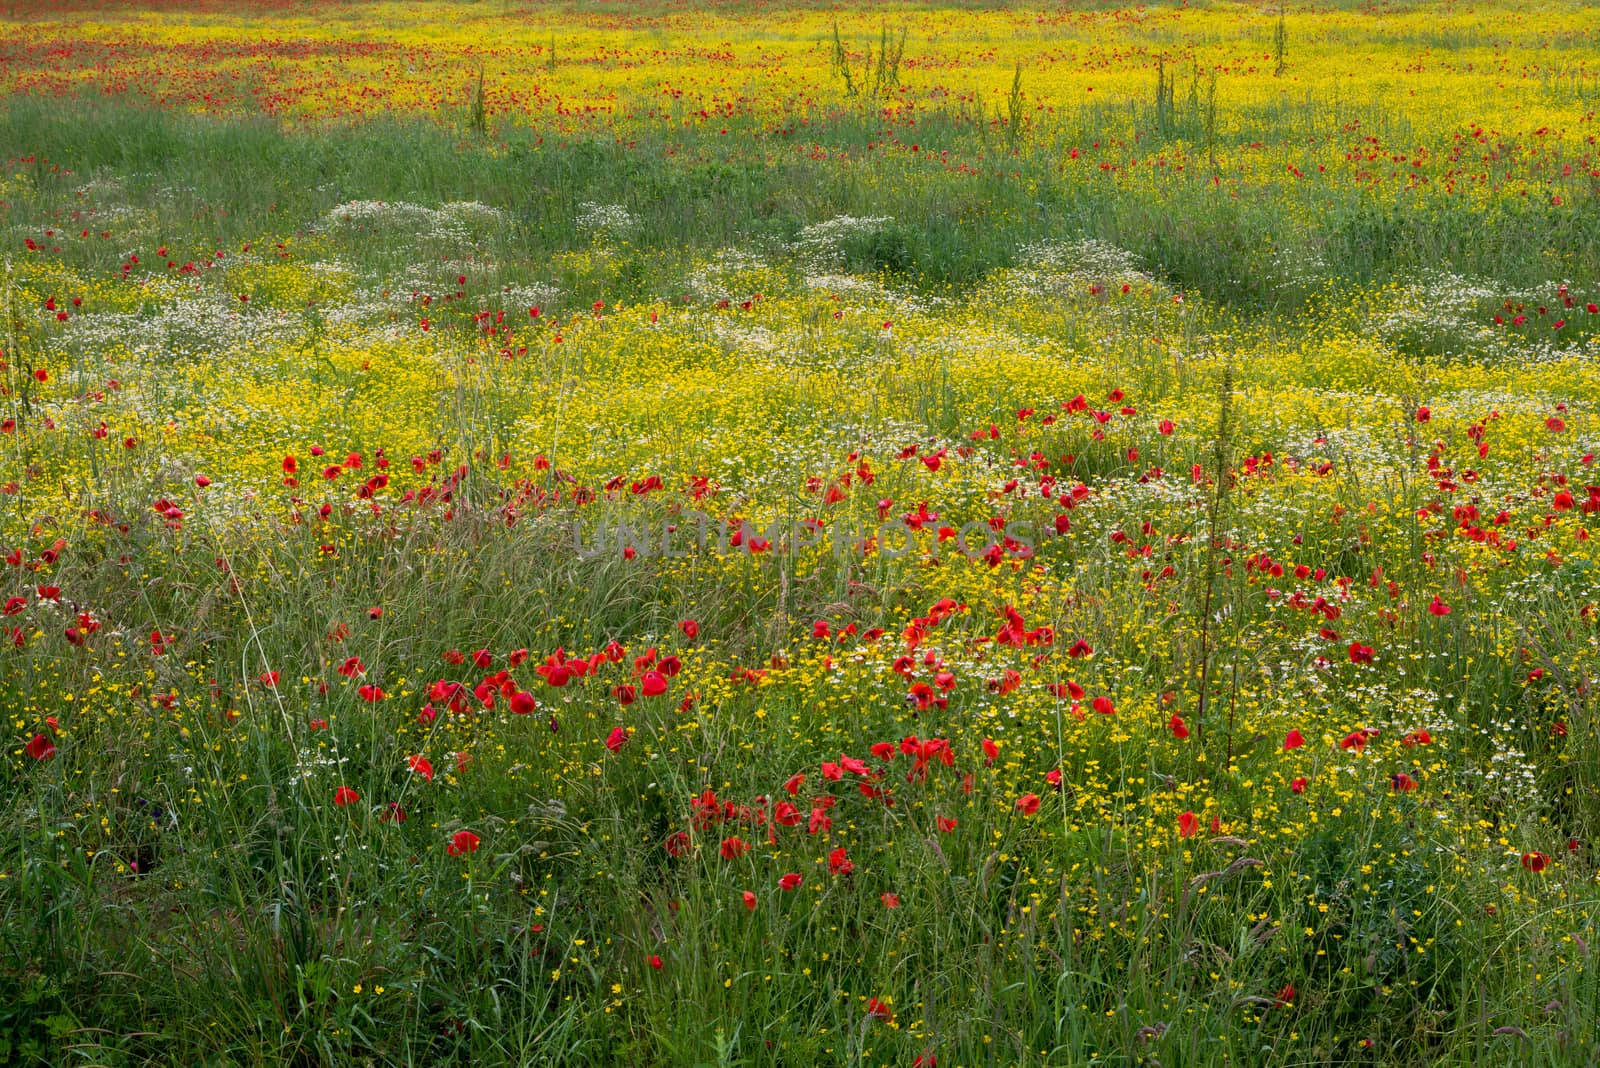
(775, 534)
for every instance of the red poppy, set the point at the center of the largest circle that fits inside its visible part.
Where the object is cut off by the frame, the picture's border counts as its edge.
(1360, 654)
(1417, 737)
(1285, 996)
(1188, 825)
(462, 842)
(879, 1010)
(618, 739)
(1535, 862)
(734, 848)
(990, 752)
(655, 961)
(792, 787)
(890, 901)
(352, 667)
(1438, 607)
(690, 628)
(750, 900)
(791, 881)
(1179, 729)
(945, 825)
(839, 863)
(371, 694)
(421, 765)
(1357, 739)
(1028, 804)
(1103, 706)
(345, 796)
(653, 684)
(1400, 782)
(678, 844)
(523, 703)
(1298, 785)
(40, 747)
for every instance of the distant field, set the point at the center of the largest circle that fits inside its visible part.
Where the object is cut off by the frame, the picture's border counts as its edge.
(779, 535)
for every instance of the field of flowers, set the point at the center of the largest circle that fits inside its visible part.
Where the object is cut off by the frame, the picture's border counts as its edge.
(781, 534)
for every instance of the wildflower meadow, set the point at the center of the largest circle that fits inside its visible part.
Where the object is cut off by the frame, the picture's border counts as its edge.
(935, 533)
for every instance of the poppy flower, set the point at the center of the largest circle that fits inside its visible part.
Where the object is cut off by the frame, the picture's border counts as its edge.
(1028, 804)
(792, 787)
(1417, 737)
(1298, 785)
(734, 848)
(345, 796)
(352, 667)
(945, 825)
(618, 739)
(371, 694)
(1179, 729)
(1357, 739)
(839, 863)
(750, 900)
(1438, 607)
(421, 765)
(1293, 740)
(655, 961)
(1400, 782)
(1188, 825)
(879, 1010)
(653, 684)
(890, 901)
(791, 881)
(1285, 996)
(1535, 862)
(40, 747)
(462, 842)
(990, 752)
(1360, 654)
(523, 703)
(690, 628)
(678, 844)
(1103, 706)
